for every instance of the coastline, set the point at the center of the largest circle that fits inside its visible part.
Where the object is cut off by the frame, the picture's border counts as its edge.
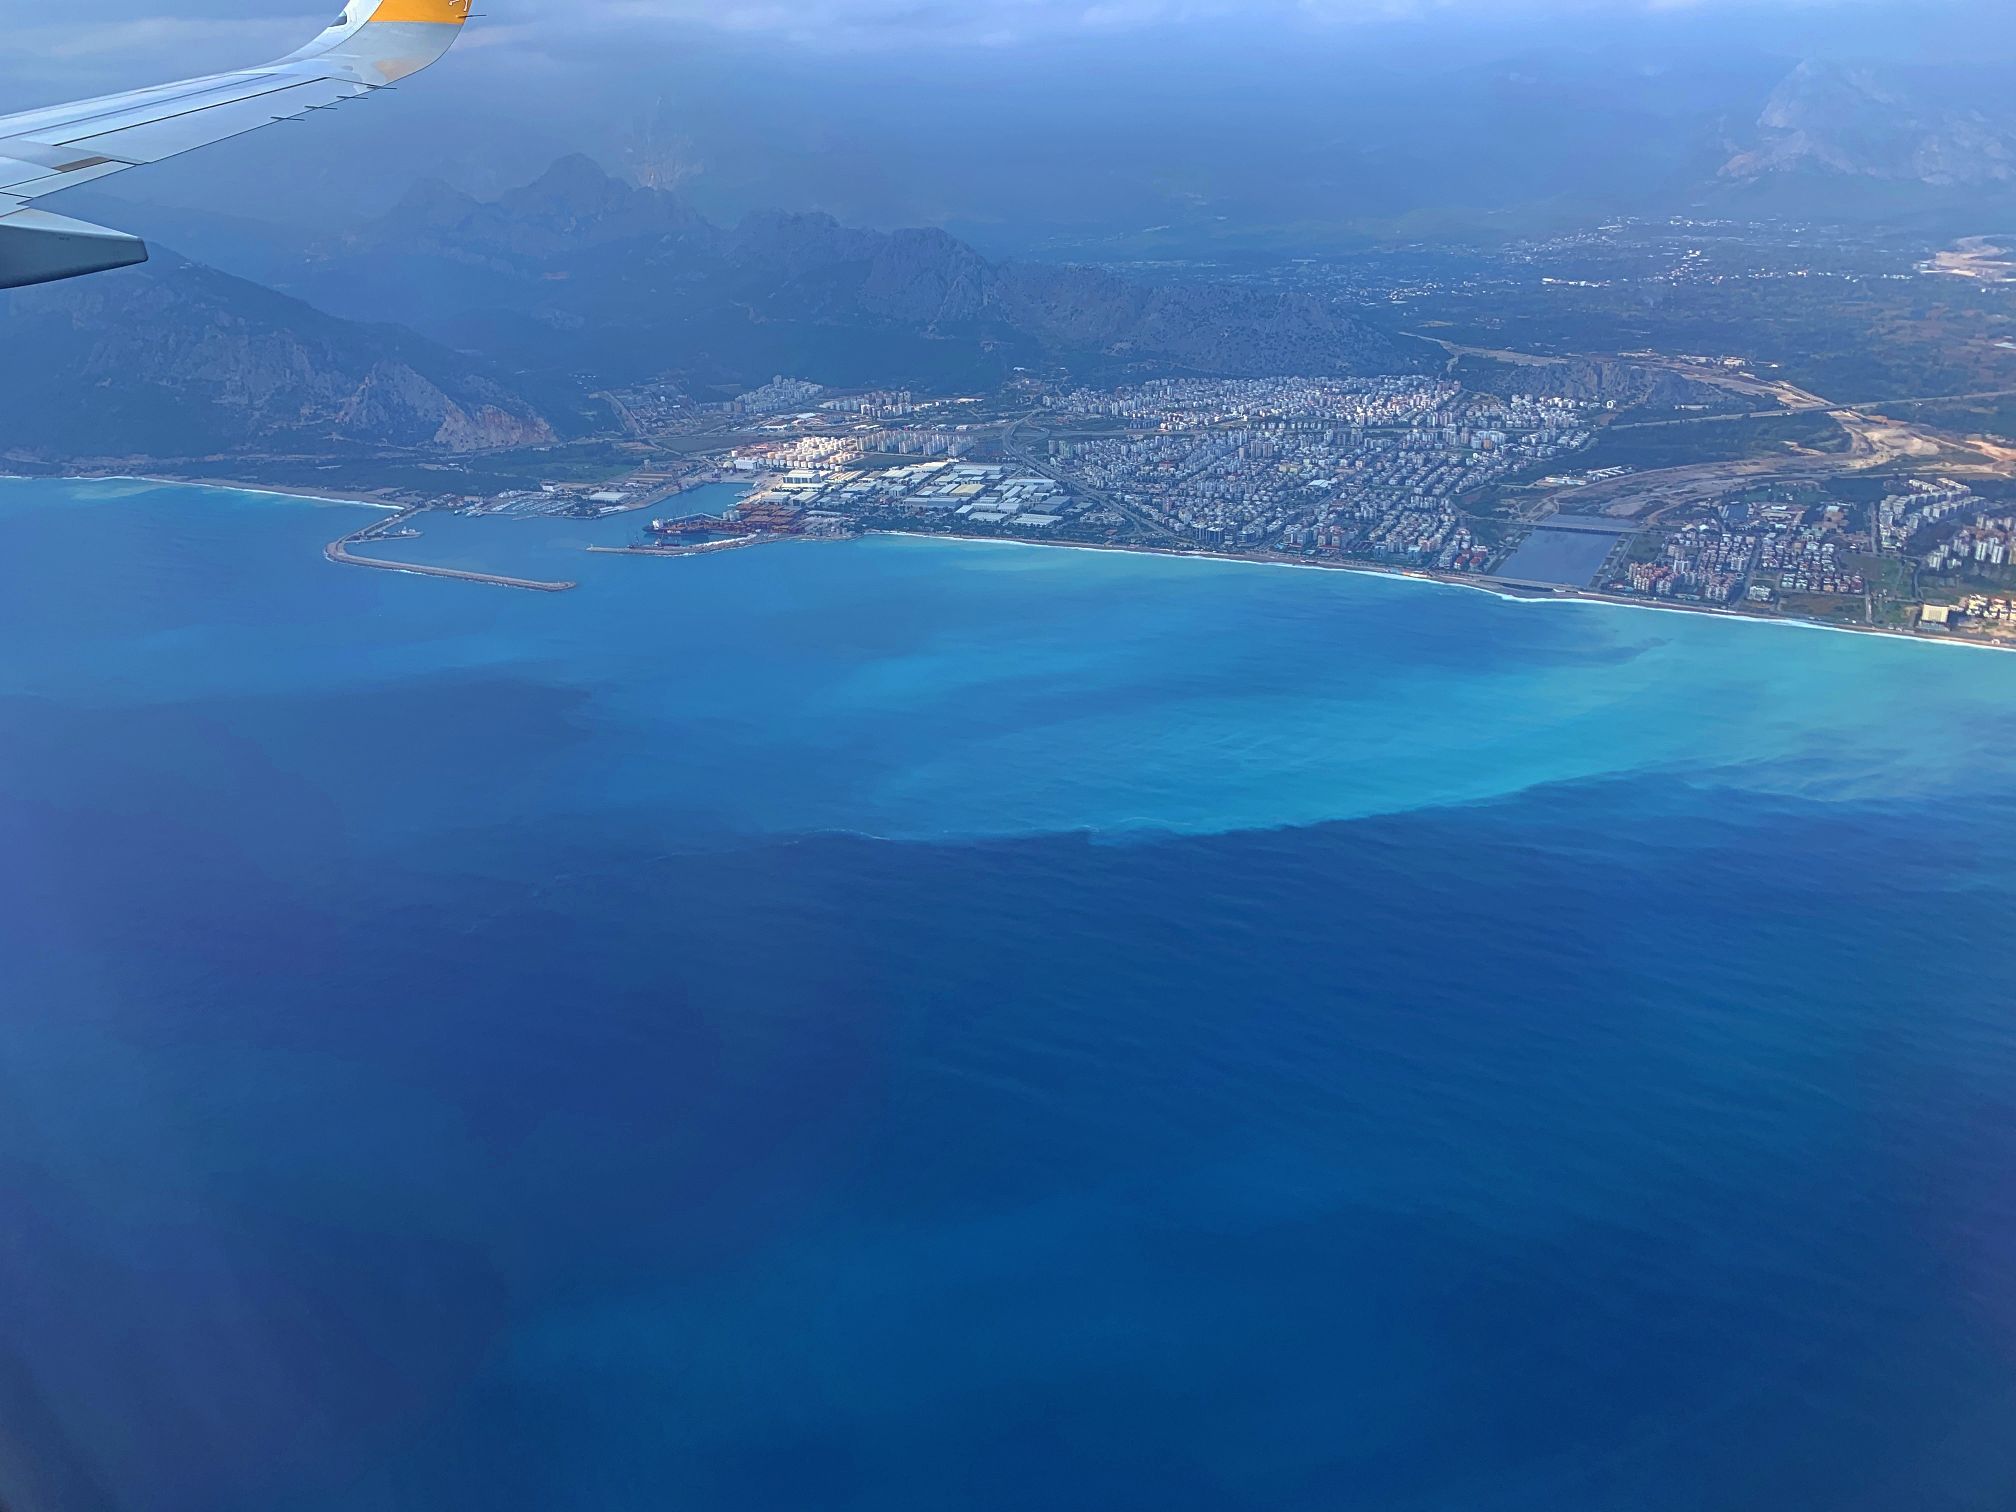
(337, 552)
(266, 490)
(1472, 584)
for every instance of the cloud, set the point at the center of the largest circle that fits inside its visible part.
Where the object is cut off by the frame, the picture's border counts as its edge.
(831, 19)
(840, 21)
(114, 42)
(852, 22)
(144, 34)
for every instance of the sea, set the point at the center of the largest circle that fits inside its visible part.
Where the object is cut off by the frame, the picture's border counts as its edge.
(902, 1025)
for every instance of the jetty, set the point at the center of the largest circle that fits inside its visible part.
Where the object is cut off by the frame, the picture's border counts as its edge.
(339, 551)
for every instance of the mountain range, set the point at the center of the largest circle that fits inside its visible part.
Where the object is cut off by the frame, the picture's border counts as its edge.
(624, 283)
(174, 360)
(453, 324)
(1871, 125)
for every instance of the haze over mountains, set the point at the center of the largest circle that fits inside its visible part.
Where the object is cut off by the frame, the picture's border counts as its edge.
(444, 320)
(1258, 147)
(1892, 126)
(632, 282)
(175, 360)
(455, 324)
(1166, 129)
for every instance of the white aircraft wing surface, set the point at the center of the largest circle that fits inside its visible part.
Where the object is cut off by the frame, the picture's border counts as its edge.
(374, 44)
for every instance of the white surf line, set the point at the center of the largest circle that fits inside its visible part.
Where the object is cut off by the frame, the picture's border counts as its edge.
(237, 488)
(1573, 597)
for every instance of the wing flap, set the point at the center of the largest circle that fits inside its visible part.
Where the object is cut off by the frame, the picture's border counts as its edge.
(149, 139)
(195, 104)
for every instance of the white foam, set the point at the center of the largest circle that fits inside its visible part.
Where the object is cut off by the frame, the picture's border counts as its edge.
(1573, 597)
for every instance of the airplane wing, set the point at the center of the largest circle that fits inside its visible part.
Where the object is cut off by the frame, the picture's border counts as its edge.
(372, 45)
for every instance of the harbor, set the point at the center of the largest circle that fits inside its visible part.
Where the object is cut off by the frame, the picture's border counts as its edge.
(339, 551)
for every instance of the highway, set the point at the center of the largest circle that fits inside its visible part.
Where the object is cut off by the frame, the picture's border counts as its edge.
(1779, 412)
(1011, 444)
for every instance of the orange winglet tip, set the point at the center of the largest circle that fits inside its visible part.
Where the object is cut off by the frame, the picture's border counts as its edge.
(423, 12)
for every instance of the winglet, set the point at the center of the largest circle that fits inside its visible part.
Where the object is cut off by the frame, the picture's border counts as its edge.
(421, 12)
(381, 41)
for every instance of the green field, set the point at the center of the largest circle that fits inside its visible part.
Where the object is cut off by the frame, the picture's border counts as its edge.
(1826, 608)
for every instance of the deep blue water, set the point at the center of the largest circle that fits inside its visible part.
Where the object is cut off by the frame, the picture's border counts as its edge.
(900, 1026)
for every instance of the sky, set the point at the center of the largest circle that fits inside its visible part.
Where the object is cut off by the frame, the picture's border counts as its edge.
(84, 38)
(1016, 120)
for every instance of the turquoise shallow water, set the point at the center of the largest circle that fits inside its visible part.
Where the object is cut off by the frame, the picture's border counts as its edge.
(1010, 690)
(902, 1024)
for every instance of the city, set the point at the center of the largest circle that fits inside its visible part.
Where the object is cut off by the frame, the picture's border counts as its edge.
(1407, 473)
(1020, 756)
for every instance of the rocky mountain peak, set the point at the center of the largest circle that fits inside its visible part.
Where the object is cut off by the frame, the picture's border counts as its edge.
(1868, 123)
(179, 360)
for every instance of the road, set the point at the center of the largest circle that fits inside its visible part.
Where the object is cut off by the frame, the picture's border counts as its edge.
(1837, 411)
(1011, 444)
(1789, 399)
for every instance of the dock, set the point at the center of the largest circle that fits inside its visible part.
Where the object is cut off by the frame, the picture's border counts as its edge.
(705, 548)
